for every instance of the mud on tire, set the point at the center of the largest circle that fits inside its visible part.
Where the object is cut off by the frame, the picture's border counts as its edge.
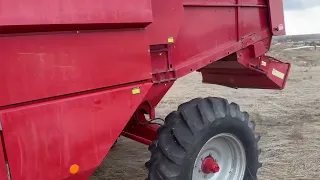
(186, 130)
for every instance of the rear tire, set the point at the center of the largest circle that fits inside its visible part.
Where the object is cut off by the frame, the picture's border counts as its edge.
(174, 155)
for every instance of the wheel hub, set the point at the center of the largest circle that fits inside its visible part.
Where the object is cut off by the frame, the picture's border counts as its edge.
(209, 165)
(221, 158)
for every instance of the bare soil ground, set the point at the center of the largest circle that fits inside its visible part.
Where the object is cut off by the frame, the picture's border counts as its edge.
(288, 120)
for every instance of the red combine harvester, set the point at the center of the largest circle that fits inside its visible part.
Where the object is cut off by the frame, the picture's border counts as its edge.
(75, 74)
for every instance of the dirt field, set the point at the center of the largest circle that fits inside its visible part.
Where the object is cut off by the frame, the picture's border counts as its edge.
(288, 120)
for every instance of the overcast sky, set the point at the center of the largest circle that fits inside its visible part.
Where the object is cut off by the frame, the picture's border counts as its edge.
(302, 16)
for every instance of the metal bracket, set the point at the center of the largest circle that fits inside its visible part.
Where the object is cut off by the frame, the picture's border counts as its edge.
(164, 76)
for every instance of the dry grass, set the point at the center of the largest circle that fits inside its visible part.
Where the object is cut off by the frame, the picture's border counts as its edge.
(296, 133)
(288, 120)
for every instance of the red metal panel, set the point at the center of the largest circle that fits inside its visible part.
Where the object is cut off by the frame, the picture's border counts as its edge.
(213, 55)
(208, 2)
(203, 29)
(35, 67)
(252, 20)
(243, 70)
(254, 2)
(156, 93)
(33, 12)
(3, 169)
(159, 58)
(278, 72)
(277, 17)
(167, 19)
(225, 3)
(44, 140)
(259, 49)
(240, 77)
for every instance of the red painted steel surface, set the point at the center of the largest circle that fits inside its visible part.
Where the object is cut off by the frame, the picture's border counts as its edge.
(44, 140)
(46, 12)
(237, 75)
(67, 77)
(277, 17)
(90, 60)
(248, 68)
(36, 67)
(3, 169)
(208, 38)
(168, 16)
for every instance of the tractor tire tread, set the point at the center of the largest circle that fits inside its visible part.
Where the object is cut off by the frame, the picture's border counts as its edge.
(176, 137)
